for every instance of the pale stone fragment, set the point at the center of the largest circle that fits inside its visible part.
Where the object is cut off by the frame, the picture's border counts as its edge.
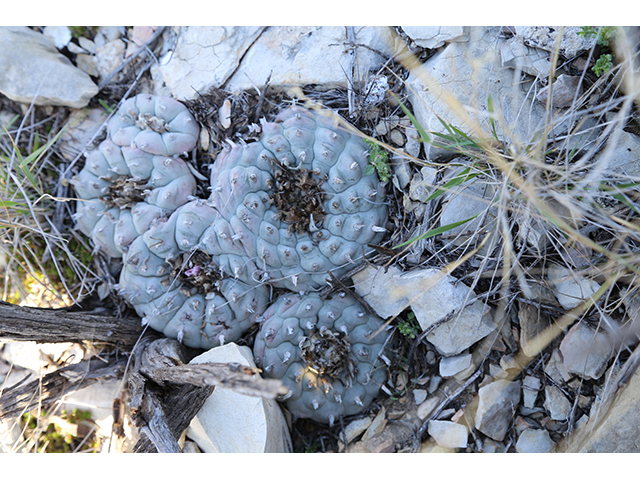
(230, 422)
(448, 434)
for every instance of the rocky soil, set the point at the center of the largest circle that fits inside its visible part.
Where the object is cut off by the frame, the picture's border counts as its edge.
(509, 270)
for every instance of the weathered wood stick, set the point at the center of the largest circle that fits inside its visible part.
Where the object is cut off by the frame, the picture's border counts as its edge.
(48, 325)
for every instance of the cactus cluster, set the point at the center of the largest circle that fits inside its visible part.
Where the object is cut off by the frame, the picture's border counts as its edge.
(286, 212)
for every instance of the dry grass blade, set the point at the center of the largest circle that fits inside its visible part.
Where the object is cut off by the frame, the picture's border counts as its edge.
(34, 255)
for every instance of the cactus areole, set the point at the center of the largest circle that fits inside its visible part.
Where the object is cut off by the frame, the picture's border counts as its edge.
(287, 211)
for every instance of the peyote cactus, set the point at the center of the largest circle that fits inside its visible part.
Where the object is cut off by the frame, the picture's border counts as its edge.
(287, 211)
(297, 204)
(326, 352)
(125, 186)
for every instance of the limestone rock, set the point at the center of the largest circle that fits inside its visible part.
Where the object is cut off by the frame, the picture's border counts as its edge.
(617, 431)
(203, 57)
(530, 387)
(585, 352)
(563, 91)
(472, 198)
(311, 55)
(533, 440)
(230, 422)
(98, 399)
(434, 37)
(59, 35)
(496, 405)
(533, 61)
(451, 366)
(33, 68)
(87, 122)
(545, 38)
(556, 403)
(570, 289)
(432, 296)
(624, 158)
(448, 434)
(470, 73)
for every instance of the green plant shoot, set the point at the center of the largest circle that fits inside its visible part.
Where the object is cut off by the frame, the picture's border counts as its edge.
(378, 161)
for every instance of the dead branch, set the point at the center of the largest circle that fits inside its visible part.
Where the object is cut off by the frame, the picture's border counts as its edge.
(24, 396)
(45, 325)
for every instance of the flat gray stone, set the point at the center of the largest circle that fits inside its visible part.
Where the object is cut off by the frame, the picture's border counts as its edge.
(230, 422)
(624, 158)
(295, 55)
(451, 366)
(564, 91)
(545, 38)
(530, 387)
(556, 403)
(34, 69)
(435, 37)
(533, 61)
(203, 57)
(472, 198)
(448, 434)
(432, 296)
(470, 73)
(585, 352)
(617, 431)
(497, 403)
(535, 441)
(570, 289)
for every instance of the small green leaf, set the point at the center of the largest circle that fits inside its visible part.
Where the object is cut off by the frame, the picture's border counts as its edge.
(414, 121)
(369, 170)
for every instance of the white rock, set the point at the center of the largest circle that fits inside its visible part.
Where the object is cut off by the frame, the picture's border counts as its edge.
(41, 357)
(450, 366)
(419, 395)
(109, 57)
(423, 184)
(448, 434)
(60, 36)
(555, 368)
(497, 403)
(203, 57)
(546, 38)
(470, 73)
(586, 352)
(472, 198)
(356, 427)
(565, 90)
(98, 399)
(535, 441)
(230, 422)
(74, 140)
(570, 289)
(427, 407)
(530, 387)
(33, 68)
(299, 55)
(556, 403)
(432, 296)
(434, 37)
(533, 61)
(624, 158)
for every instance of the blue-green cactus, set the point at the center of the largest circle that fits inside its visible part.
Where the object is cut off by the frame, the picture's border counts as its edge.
(127, 179)
(288, 211)
(326, 352)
